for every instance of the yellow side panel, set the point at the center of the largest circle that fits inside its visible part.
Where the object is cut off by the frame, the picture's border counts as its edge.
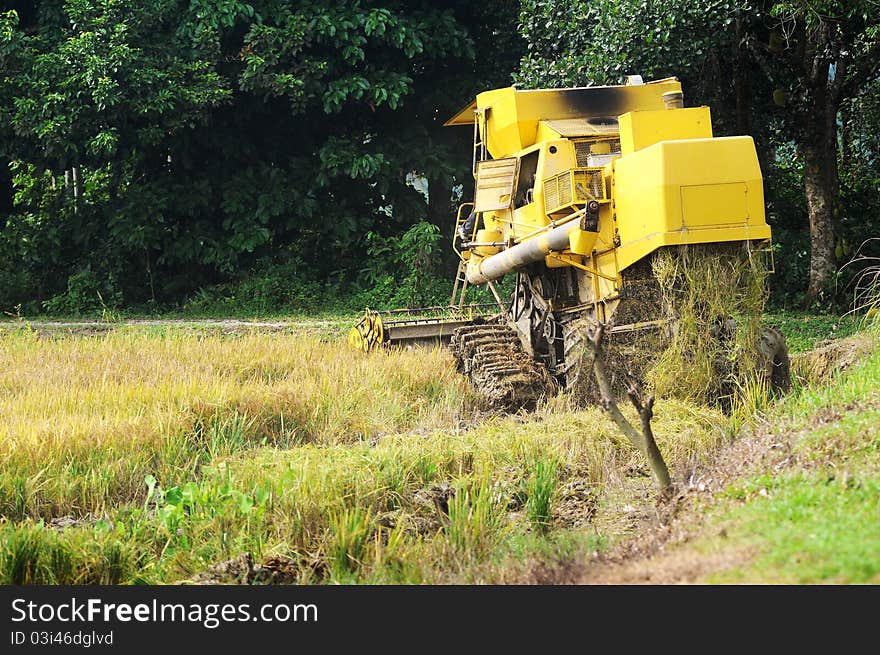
(496, 179)
(640, 129)
(688, 191)
(714, 205)
(506, 134)
(546, 133)
(526, 220)
(552, 163)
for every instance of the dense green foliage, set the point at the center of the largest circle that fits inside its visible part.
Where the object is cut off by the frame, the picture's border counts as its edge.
(159, 147)
(279, 154)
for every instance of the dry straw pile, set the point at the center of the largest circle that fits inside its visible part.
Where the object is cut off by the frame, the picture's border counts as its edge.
(715, 298)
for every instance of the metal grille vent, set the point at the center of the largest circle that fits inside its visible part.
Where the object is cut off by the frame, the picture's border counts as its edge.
(582, 150)
(551, 193)
(572, 188)
(589, 185)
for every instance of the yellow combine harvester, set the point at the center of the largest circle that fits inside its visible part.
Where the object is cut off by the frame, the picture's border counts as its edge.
(575, 191)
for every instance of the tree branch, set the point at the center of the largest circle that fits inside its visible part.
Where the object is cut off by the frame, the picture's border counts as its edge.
(644, 440)
(861, 70)
(761, 60)
(645, 409)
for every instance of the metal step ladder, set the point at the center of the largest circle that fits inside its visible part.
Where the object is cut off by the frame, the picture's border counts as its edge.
(459, 288)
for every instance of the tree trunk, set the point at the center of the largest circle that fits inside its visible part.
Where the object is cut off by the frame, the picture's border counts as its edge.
(439, 206)
(821, 208)
(441, 214)
(846, 134)
(741, 81)
(7, 192)
(818, 146)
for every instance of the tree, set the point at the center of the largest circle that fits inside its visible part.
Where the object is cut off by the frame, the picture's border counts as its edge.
(818, 54)
(208, 136)
(578, 42)
(96, 95)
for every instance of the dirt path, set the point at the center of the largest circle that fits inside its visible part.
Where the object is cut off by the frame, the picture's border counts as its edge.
(221, 325)
(660, 552)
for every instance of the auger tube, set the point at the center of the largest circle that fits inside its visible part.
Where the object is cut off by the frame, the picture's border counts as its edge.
(527, 252)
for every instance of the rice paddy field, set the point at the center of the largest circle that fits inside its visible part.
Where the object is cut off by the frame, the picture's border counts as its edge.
(162, 454)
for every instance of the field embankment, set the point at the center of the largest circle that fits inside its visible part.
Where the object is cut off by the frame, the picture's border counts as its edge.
(795, 499)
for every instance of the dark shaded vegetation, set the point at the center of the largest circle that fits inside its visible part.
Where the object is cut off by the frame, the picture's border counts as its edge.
(279, 156)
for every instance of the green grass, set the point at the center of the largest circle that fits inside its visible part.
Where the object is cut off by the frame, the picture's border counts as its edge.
(803, 331)
(541, 486)
(177, 449)
(35, 554)
(858, 384)
(819, 519)
(83, 419)
(352, 512)
(811, 528)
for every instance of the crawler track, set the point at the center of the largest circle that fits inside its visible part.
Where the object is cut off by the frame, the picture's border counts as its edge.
(493, 359)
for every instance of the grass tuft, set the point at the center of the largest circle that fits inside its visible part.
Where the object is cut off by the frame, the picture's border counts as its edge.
(476, 520)
(31, 553)
(540, 488)
(350, 531)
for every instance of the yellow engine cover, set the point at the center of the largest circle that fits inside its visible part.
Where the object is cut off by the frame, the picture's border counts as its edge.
(640, 129)
(688, 191)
